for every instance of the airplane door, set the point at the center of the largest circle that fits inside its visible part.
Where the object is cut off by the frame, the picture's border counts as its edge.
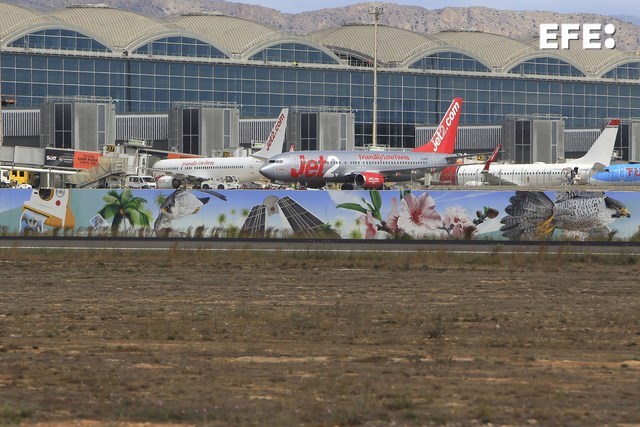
(296, 162)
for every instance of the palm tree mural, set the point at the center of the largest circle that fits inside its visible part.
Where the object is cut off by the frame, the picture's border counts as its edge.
(160, 199)
(338, 224)
(222, 219)
(124, 207)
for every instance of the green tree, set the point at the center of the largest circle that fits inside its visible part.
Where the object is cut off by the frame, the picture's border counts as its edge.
(160, 199)
(124, 207)
(356, 233)
(222, 218)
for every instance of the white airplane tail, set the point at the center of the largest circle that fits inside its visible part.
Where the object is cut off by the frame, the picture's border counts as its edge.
(602, 149)
(275, 142)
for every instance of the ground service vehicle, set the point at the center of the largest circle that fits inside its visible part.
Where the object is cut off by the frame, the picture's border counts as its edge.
(228, 183)
(140, 181)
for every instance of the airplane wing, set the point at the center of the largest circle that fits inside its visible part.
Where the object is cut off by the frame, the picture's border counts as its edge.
(175, 175)
(489, 155)
(450, 161)
(191, 179)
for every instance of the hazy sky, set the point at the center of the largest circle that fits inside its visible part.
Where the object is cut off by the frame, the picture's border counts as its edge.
(604, 7)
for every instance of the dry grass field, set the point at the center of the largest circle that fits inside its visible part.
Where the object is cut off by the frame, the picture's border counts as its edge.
(114, 338)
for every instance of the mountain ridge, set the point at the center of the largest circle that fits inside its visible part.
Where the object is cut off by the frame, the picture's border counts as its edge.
(519, 25)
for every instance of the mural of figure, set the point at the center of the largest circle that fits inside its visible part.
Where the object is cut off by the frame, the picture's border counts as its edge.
(180, 203)
(47, 207)
(32, 222)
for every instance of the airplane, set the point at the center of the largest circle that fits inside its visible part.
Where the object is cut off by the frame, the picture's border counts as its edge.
(575, 171)
(621, 174)
(174, 172)
(366, 169)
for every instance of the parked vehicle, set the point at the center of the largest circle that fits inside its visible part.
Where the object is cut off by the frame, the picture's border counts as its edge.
(5, 182)
(230, 182)
(140, 181)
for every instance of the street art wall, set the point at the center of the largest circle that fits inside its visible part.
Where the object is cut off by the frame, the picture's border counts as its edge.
(388, 214)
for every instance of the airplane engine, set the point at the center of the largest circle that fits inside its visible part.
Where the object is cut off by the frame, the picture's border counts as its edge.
(168, 182)
(449, 175)
(369, 180)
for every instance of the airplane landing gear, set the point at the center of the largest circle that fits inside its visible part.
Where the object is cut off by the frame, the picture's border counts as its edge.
(347, 186)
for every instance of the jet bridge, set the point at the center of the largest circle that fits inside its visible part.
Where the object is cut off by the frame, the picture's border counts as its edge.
(106, 167)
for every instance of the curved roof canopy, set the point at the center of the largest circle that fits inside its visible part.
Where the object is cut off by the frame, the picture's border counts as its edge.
(593, 62)
(117, 27)
(15, 19)
(493, 50)
(235, 35)
(395, 45)
(242, 39)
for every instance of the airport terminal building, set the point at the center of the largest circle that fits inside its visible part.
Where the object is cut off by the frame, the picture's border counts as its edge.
(88, 76)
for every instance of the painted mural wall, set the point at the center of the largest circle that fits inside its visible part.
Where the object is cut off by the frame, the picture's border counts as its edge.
(473, 214)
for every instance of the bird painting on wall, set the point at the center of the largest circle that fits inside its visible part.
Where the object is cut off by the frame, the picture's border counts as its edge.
(532, 215)
(180, 203)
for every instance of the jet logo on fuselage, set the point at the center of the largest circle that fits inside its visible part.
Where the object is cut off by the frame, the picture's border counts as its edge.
(313, 168)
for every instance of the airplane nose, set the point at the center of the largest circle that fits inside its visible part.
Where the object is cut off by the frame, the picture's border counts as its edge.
(266, 170)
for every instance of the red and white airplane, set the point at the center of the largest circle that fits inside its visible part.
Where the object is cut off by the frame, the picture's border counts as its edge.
(575, 171)
(367, 169)
(174, 172)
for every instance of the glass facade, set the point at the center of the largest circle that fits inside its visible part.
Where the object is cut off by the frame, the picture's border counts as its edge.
(545, 66)
(62, 122)
(294, 53)
(190, 131)
(308, 131)
(627, 71)
(60, 40)
(180, 46)
(406, 97)
(523, 142)
(451, 61)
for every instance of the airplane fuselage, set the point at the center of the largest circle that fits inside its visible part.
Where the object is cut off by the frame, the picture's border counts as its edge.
(536, 174)
(318, 167)
(619, 174)
(245, 168)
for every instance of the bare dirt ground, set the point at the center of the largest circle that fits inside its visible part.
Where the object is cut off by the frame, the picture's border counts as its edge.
(100, 338)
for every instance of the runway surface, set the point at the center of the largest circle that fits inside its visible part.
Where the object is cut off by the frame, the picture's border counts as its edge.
(304, 245)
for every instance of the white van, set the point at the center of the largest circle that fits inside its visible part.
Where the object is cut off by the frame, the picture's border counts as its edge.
(5, 181)
(140, 181)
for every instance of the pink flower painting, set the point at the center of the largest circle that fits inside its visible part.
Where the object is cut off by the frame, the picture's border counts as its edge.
(456, 221)
(418, 215)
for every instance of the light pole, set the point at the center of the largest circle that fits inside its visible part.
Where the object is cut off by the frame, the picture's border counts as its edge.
(1, 124)
(376, 12)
